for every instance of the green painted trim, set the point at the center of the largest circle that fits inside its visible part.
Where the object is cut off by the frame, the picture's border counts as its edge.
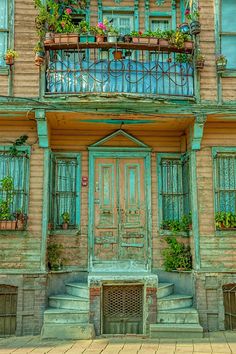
(174, 15)
(160, 14)
(147, 15)
(100, 9)
(42, 128)
(136, 15)
(182, 10)
(121, 154)
(4, 71)
(194, 208)
(116, 133)
(161, 156)
(229, 73)
(118, 9)
(45, 209)
(198, 130)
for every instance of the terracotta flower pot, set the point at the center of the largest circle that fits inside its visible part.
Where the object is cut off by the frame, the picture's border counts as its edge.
(117, 54)
(163, 43)
(9, 60)
(188, 45)
(200, 64)
(7, 225)
(99, 38)
(49, 38)
(66, 38)
(65, 226)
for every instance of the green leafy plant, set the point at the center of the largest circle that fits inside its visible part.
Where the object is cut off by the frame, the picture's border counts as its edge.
(10, 53)
(54, 256)
(6, 187)
(66, 217)
(184, 224)
(225, 220)
(18, 142)
(221, 60)
(177, 255)
(183, 58)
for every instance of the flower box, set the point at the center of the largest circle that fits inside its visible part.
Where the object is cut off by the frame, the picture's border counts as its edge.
(164, 43)
(87, 38)
(7, 225)
(188, 45)
(67, 38)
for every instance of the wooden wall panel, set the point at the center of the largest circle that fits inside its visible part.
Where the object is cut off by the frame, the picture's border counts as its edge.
(4, 85)
(21, 250)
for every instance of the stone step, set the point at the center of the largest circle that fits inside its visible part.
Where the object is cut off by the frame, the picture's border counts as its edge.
(178, 316)
(68, 331)
(69, 302)
(176, 331)
(176, 301)
(164, 289)
(54, 315)
(78, 289)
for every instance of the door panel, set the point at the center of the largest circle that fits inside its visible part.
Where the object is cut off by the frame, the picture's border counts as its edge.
(120, 209)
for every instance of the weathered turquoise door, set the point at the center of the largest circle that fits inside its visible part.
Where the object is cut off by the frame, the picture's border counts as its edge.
(120, 210)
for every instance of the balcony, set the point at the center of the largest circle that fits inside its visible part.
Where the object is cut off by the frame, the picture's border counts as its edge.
(119, 68)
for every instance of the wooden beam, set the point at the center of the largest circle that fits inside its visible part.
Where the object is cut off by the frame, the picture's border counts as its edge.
(42, 128)
(198, 129)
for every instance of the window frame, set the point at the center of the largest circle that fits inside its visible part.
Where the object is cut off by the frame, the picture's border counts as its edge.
(27, 150)
(160, 18)
(168, 156)
(10, 32)
(119, 14)
(224, 34)
(52, 209)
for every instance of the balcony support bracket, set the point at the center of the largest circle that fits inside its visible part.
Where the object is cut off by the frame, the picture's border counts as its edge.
(42, 128)
(198, 129)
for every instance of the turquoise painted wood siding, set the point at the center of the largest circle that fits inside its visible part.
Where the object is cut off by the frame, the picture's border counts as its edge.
(65, 185)
(16, 167)
(225, 182)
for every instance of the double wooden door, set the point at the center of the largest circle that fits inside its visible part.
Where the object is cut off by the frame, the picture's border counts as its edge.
(120, 212)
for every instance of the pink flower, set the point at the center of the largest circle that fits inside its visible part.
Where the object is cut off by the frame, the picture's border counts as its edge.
(68, 11)
(101, 26)
(187, 12)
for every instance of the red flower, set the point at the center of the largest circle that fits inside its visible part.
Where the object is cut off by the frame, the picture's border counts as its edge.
(187, 12)
(140, 33)
(68, 11)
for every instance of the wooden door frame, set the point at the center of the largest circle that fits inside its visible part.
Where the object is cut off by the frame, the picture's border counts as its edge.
(113, 152)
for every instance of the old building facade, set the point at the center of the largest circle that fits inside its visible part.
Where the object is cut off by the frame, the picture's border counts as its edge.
(128, 152)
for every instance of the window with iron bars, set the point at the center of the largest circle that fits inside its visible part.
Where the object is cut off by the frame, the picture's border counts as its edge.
(65, 191)
(16, 169)
(225, 182)
(174, 196)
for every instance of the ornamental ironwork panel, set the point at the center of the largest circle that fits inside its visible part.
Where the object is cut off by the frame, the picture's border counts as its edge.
(141, 72)
(8, 306)
(123, 309)
(229, 294)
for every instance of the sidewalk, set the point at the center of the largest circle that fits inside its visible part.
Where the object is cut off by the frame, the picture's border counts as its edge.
(214, 342)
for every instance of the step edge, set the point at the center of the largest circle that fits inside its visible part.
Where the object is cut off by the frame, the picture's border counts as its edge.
(72, 298)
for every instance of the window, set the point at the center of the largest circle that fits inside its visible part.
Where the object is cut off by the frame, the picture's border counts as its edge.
(65, 190)
(225, 182)
(173, 187)
(15, 169)
(123, 22)
(228, 31)
(4, 29)
(163, 24)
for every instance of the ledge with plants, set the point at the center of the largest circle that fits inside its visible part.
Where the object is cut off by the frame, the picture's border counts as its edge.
(180, 227)
(225, 221)
(177, 256)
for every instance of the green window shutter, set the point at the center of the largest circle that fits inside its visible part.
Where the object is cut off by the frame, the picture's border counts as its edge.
(16, 167)
(225, 177)
(65, 189)
(228, 31)
(162, 24)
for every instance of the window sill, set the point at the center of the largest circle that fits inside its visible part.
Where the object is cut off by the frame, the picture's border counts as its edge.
(71, 232)
(173, 233)
(223, 233)
(229, 73)
(4, 71)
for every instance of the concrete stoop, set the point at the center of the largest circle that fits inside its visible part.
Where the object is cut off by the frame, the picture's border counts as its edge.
(176, 318)
(68, 315)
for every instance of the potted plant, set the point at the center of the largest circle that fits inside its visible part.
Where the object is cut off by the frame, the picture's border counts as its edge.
(101, 30)
(117, 54)
(184, 28)
(225, 220)
(39, 54)
(54, 256)
(200, 61)
(7, 221)
(20, 219)
(165, 37)
(193, 18)
(86, 33)
(112, 34)
(66, 220)
(188, 43)
(177, 256)
(10, 56)
(183, 58)
(221, 63)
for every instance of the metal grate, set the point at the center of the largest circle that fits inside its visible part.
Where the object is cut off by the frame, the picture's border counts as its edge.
(226, 182)
(123, 309)
(8, 306)
(175, 188)
(229, 294)
(96, 70)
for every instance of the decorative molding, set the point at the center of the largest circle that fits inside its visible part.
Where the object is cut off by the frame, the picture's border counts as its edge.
(160, 2)
(173, 4)
(198, 129)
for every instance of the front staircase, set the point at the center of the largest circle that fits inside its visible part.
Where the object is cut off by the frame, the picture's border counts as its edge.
(176, 318)
(68, 315)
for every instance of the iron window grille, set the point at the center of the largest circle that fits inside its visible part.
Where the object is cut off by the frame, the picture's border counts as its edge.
(174, 187)
(65, 187)
(225, 182)
(17, 168)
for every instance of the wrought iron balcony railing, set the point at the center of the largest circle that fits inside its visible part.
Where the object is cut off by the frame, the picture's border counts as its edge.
(119, 69)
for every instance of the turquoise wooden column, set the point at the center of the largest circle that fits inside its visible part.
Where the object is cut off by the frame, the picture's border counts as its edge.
(42, 128)
(196, 139)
